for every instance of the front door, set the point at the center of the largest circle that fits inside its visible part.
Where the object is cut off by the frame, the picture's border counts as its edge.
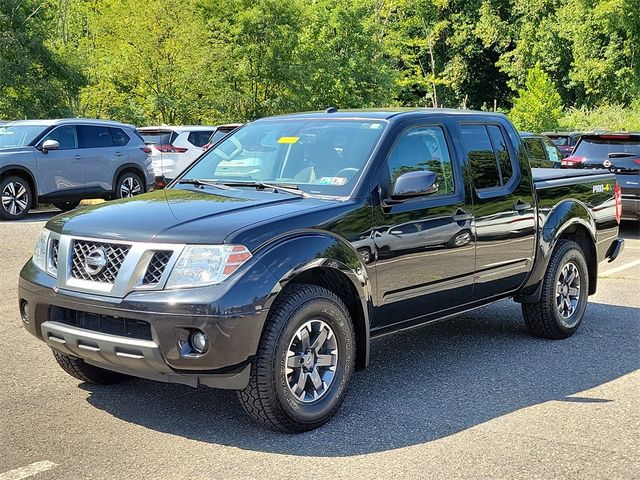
(424, 245)
(61, 171)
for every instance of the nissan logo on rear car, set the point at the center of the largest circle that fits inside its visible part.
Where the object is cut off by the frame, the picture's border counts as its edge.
(95, 261)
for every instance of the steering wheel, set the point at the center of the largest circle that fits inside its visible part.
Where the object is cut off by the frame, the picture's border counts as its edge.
(345, 170)
(232, 155)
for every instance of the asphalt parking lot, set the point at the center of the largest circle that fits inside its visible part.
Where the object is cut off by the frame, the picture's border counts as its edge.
(474, 397)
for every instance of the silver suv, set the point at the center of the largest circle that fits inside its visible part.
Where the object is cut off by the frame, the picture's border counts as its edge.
(64, 161)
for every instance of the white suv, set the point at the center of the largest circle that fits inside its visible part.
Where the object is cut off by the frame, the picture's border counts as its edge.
(174, 148)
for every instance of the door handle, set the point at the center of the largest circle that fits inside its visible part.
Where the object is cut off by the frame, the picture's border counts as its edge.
(118, 154)
(521, 206)
(77, 157)
(461, 216)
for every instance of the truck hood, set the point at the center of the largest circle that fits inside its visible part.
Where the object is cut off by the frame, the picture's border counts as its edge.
(180, 215)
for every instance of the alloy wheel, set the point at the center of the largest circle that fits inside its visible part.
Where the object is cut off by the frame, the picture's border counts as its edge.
(130, 187)
(15, 198)
(312, 358)
(568, 293)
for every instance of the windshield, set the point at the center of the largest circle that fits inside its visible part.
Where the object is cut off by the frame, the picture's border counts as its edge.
(319, 156)
(19, 135)
(601, 147)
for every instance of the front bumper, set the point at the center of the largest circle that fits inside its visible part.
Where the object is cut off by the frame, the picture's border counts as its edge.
(233, 335)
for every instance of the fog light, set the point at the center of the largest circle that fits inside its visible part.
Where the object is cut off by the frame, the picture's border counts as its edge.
(24, 311)
(199, 341)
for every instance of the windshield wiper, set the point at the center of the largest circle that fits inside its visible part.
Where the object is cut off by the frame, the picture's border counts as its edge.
(200, 183)
(292, 189)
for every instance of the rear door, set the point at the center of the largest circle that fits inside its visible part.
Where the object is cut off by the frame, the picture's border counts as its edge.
(61, 171)
(504, 225)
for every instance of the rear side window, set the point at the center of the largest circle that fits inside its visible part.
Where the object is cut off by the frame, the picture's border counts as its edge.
(552, 151)
(95, 136)
(119, 137)
(199, 138)
(486, 149)
(560, 141)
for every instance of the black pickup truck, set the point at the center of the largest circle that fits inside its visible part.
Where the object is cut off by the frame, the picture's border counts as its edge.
(271, 262)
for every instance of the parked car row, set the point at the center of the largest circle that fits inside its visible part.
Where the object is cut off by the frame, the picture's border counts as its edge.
(65, 161)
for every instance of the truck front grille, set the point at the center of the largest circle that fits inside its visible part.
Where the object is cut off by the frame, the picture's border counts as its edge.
(82, 267)
(156, 267)
(120, 326)
(55, 248)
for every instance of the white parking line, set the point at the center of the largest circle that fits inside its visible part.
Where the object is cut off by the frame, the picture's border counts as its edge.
(611, 271)
(28, 471)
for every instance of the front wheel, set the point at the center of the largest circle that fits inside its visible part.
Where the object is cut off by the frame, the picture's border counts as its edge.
(304, 362)
(565, 289)
(16, 198)
(78, 368)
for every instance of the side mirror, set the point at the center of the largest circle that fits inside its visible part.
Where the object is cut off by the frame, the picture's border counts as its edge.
(49, 145)
(414, 184)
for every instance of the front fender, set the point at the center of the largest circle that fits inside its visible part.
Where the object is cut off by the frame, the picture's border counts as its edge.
(288, 258)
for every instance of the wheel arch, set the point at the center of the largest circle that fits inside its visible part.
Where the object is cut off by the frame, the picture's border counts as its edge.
(129, 167)
(571, 220)
(23, 172)
(331, 263)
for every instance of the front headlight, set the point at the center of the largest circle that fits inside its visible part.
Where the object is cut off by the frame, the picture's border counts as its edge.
(40, 253)
(201, 265)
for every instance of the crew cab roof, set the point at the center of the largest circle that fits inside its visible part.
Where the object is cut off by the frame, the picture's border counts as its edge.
(382, 114)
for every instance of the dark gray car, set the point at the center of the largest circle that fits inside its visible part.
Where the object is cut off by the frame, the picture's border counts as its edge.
(64, 161)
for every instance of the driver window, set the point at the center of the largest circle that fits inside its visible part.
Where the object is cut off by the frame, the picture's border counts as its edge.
(66, 136)
(423, 148)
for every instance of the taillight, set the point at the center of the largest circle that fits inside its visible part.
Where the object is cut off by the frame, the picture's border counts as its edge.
(616, 136)
(637, 161)
(146, 150)
(617, 196)
(170, 149)
(571, 161)
(206, 146)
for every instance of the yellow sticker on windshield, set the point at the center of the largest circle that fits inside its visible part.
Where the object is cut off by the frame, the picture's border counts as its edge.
(288, 139)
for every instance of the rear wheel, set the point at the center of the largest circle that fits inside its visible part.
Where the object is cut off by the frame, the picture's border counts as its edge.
(16, 198)
(304, 362)
(66, 206)
(78, 368)
(565, 290)
(129, 184)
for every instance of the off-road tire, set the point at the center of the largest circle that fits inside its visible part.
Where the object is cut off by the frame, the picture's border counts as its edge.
(66, 206)
(267, 398)
(78, 368)
(542, 318)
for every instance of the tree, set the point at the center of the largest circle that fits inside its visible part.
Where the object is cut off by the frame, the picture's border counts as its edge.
(538, 105)
(34, 81)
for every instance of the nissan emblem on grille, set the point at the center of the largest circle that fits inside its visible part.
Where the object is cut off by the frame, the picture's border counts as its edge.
(95, 261)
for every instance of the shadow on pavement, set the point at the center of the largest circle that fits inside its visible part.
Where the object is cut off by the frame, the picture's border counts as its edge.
(421, 385)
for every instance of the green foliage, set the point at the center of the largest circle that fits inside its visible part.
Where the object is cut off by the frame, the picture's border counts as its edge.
(34, 81)
(209, 61)
(538, 106)
(608, 117)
